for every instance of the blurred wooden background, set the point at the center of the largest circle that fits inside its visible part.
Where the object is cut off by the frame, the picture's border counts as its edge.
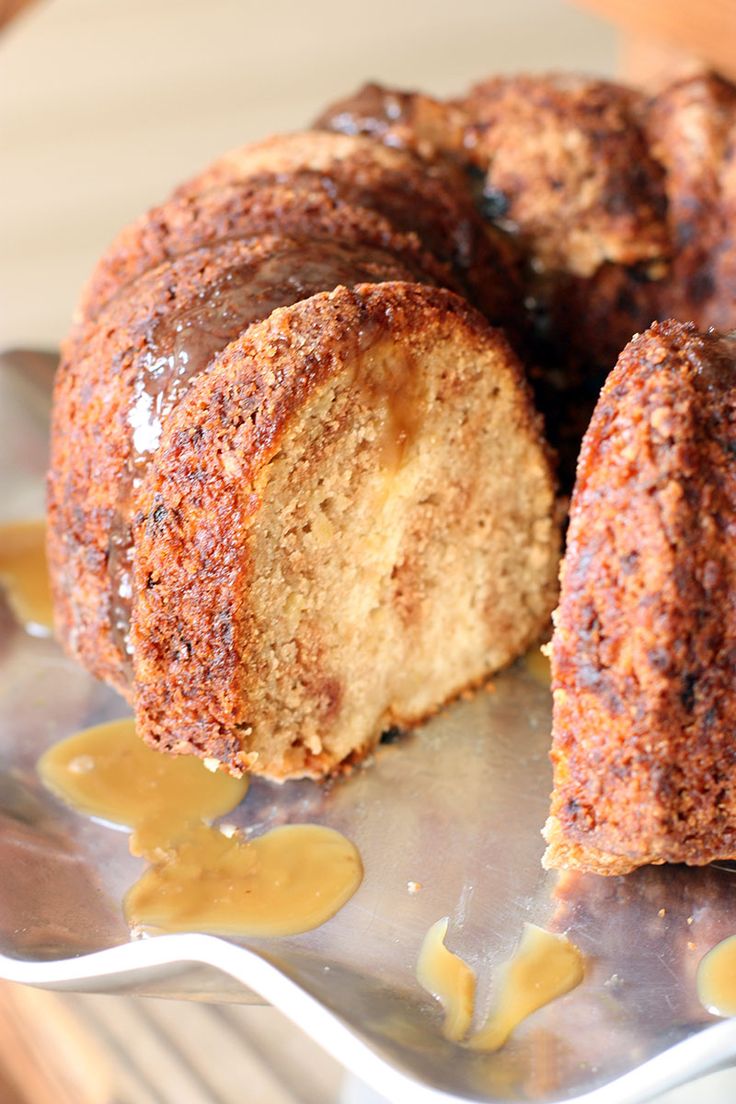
(106, 104)
(662, 36)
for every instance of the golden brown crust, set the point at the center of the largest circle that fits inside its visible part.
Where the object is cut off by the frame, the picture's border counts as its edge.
(692, 130)
(196, 675)
(303, 204)
(568, 169)
(131, 366)
(645, 635)
(619, 210)
(281, 155)
(606, 197)
(560, 169)
(428, 199)
(400, 119)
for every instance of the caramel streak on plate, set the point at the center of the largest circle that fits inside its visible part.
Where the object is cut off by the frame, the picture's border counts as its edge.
(24, 575)
(289, 880)
(448, 979)
(545, 967)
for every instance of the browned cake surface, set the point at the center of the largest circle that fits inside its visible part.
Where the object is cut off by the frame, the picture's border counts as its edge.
(568, 166)
(269, 186)
(591, 318)
(569, 175)
(692, 130)
(430, 199)
(559, 164)
(350, 519)
(644, 647)
(303, 204)
(560, 169)
(618, 206)
(400, 119)
(124, 373)
(321, 152)
(618, 209)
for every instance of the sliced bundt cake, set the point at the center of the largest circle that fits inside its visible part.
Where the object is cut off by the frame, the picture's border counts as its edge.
(644, 647)
(384, 449)
(124, 372)
(560, 167)
(349, 519)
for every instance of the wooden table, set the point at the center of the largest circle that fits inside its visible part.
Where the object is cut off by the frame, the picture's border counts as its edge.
(98, 1050)
(660, 37)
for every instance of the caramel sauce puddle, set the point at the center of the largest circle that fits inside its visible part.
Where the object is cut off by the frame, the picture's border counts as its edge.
(201, 878)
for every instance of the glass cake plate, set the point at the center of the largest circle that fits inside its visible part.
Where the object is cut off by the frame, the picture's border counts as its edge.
(456, 807)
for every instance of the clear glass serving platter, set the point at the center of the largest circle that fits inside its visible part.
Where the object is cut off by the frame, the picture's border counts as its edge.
(456, 807)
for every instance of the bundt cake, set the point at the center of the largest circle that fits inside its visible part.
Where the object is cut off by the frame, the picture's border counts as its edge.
(122, 375)
(644, 647)
(337, 565)
(298, 489)
(593, 185)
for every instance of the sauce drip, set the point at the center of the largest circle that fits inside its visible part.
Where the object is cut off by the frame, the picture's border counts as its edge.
(544, 967)
(449, 980)
(716, 978)
(184, 342)
(24, 575)
(405, 411)
(289, 880)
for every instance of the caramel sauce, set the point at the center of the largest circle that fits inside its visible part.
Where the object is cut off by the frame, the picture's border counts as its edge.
(544, 967)
(716, 978)
(24, 575)
(290, 880)
(537, 664)
(404, 414)
(184, 342)
(449, 980)
(201, 878)
(109, 773)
